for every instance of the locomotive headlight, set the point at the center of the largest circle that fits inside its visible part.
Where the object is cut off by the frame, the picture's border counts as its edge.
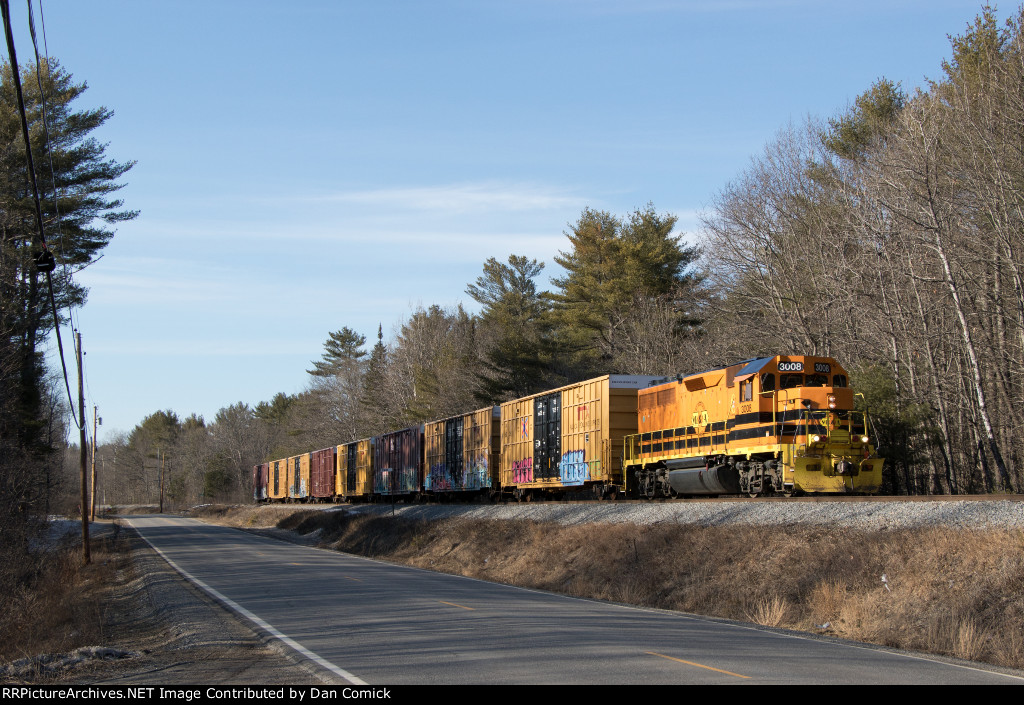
(815, 439)
(863, 439)
(831, 401)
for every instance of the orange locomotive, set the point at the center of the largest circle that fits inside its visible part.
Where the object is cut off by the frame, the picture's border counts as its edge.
(783, 424)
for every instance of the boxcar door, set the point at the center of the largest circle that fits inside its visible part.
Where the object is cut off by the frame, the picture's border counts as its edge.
(350, 480)
(547, 436)
(453, 452)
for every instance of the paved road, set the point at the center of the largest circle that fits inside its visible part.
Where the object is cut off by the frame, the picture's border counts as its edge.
(378, 623)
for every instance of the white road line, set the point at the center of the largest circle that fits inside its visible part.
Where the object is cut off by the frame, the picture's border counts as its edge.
(231, 604)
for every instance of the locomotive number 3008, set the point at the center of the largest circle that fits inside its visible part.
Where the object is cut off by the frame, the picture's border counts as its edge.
(791, 367)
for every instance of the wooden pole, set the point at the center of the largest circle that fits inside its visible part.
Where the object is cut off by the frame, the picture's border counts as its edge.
(84, 453)
(161, 454)
(92, 503)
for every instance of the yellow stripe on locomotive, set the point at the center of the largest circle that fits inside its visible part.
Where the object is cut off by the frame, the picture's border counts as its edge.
(781, 424)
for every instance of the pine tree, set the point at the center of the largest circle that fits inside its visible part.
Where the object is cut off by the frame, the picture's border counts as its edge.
(341, 353)
(515, 321)
(611, 263)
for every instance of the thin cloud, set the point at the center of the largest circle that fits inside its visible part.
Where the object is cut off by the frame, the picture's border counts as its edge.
(460, 198)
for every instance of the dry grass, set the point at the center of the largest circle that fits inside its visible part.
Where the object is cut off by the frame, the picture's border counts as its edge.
(60, 607)
(949, 591)
(263, 516)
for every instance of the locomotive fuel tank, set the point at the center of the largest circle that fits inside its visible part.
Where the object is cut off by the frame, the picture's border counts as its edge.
(691, 476)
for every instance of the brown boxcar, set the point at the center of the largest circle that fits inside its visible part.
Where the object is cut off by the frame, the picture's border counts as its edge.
(260, 475)
(321, 474)
(570, 437)
(461, 452)
(398, 462)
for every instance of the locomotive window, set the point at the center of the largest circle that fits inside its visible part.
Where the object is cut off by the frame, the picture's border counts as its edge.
(839, 381)
(746, 390)
(788, 381)
(816, 381)
(768, 383)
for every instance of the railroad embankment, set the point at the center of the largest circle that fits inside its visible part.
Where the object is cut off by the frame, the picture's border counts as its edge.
(944, 578)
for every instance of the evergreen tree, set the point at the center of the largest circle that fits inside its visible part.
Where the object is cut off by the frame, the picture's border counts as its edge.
(515, 321)
(341, 353)
(373, 401)
(871, 118)
(611, 262)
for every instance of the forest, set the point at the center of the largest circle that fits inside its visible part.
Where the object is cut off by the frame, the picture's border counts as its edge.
(889, 236)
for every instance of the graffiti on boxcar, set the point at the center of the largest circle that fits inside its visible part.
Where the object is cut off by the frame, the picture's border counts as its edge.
(477, 477)
(382, 481)
(407, 480)
(438, 480)
(522, 470)
(573, 468)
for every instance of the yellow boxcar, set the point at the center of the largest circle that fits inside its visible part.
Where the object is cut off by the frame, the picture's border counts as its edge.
(779, 424)
(570, 437)
(355, 470)
(277, 482)
(298, 477)
(461, 452)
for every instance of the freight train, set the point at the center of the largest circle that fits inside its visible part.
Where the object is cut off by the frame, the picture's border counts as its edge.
(779, 425)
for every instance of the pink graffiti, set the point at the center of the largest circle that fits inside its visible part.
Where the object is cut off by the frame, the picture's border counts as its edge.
(522, 470)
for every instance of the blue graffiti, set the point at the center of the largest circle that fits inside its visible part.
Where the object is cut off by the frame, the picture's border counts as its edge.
(438, 480)
(476, 477)
(573, 468)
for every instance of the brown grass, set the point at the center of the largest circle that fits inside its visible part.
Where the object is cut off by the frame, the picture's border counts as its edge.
(60, 606)
(957, 592)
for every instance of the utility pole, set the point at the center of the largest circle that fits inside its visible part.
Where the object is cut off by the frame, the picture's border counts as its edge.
(83, 454)
(95, 422)
(161, 454)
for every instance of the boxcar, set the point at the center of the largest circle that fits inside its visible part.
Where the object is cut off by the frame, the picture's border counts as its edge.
(298, 477)
(260, 475)
(461, 452)
(354, 478)
(398, 462)
(570, 438)
(277, 482)
(321, 474)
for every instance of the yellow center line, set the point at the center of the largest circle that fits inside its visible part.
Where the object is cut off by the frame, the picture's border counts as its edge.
(358, 580)
(698, 665)
(294, 564)
(455, 605)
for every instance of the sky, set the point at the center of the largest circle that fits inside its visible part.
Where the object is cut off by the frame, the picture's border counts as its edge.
(305, 166)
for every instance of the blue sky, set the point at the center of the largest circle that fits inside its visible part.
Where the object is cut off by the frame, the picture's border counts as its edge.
(310, 165)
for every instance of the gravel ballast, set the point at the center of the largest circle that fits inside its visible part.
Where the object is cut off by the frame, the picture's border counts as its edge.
(874, 515)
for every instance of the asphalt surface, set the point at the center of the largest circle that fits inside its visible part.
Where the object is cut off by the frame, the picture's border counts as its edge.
(371, 622)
